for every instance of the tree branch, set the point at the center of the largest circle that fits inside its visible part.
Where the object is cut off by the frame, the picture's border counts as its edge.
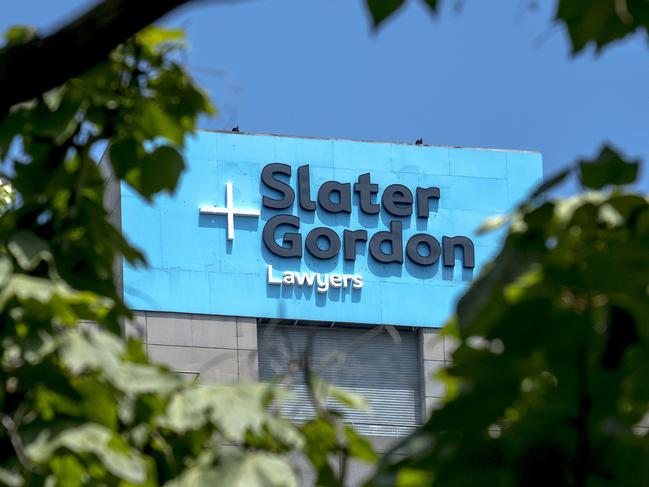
(11, 428)
(30, 69)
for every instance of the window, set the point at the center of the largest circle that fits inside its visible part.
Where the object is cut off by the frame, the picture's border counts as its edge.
(383, 367)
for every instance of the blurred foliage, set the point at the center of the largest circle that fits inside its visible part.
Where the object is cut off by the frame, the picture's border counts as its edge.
(548, 382)
(380, 10)
(7, 196)
(79, 405)
(598, 22)
(548, 379)
(602, 22)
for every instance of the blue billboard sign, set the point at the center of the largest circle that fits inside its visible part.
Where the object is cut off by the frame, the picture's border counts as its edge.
(320, 229)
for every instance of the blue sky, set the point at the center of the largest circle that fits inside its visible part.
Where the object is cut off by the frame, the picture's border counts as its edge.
(495, 75)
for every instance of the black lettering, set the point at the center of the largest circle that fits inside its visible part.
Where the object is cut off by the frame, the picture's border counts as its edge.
(365, 190)
(269, 179)
(350, 238)
(397, 200)
(395, 237)
(292, 242)
(423, 196)
(312, 243)
(344, 203)
(468, 252)
(416, 241)
(304, 188)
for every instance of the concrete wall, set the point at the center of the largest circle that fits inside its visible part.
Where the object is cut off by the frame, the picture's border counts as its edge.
(222, 349)
(208, 349)
(436, 352)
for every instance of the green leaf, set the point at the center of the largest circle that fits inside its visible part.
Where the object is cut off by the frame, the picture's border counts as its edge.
(124, 154)
(28, 250)
(409, 477)
(157, 172)
(359, 448)
(237, 470)
(11, 126)
(154, 36)
(19, 34)
(432, 5)
(235, 411)
(6, 269)
(155, 122)
(68, 470)
(181, 98)
(54, 97)
(41, 298)
(601, 22)
(382, 9)
(90, 350)
(324, 390)
(114, 454)
(58, 124)
(350, 399)
(608, 168)
(321, 442)
(97, 350)
(257, 470)
(11, 479)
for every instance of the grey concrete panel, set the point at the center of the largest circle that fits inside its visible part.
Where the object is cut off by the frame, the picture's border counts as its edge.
(248, 365)
(432, 404)
(213, 331)
(136, 327)
(433, 344)
(433, 387)
(118, 271)
(247, 333)
(302, 467)
(358, 473)
(383, 444)
(213, 365)
(168, 328)
(450, 345)
(112, 191)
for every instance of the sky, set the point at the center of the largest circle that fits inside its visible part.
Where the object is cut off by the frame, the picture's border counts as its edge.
(495, 74)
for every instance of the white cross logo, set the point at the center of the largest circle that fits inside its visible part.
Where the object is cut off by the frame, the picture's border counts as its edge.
(229, 210)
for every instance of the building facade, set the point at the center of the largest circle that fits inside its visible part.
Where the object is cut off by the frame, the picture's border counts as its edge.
(347, 257)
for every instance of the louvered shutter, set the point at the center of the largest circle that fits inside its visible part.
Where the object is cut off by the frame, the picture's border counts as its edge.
(385, 370)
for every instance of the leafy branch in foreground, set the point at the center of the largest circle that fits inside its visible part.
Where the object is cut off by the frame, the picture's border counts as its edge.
(141, 103)
(43, 63)
(79, 405)
(598, 22)
(548, 384)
